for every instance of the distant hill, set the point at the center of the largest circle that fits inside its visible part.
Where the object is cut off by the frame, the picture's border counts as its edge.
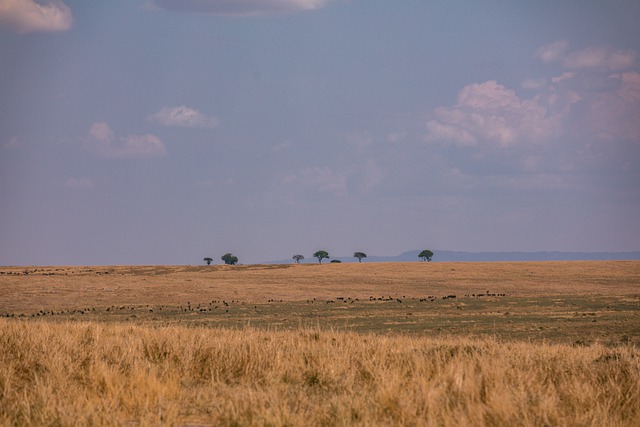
(453, 256)
(449, 256)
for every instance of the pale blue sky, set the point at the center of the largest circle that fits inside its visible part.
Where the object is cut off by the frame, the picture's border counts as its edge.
(164, 131)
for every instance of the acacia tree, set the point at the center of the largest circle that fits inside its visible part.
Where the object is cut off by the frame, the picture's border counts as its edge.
(229, 259)
(208, 260)
(359, 255)
(298, 258)
(426, 255)
(321, 255)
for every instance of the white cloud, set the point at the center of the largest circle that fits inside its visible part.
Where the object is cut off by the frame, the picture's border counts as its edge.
(584, 118)
(100, 131)
(629, 89)
(396, 137)
(281, 147)
(588, 102)
(614, 114)
(103, 141)
(600, 57)
(183, 116)
(440, 131)
(140, 146)
(239, 7)
(601, 106)
(27, 16)
(553, 52)
(489, 112)
(488, 96)
(533, 84)
(565, 76)
(591, 57)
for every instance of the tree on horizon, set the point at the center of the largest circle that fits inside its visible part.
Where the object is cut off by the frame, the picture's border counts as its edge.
(208, 260)
(359, 255)
(321, 255)
(297, 258)
(229, 259)
(426, 255)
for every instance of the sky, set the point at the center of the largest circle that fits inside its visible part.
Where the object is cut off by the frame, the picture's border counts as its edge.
(166, 131)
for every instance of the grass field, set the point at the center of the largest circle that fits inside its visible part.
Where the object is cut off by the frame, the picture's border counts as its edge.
(564, 302)
(549, 343)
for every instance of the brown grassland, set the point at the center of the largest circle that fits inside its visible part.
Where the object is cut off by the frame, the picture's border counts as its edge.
(522, 343)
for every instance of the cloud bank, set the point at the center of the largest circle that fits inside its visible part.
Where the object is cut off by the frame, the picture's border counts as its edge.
(103, 141)
(587, 101)
(183, 116)
(27, 16)
(491, 113)
(239, 7)
(592, 57)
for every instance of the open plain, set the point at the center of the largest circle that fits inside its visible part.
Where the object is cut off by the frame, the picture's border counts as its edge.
(563, 302)
(546, 343)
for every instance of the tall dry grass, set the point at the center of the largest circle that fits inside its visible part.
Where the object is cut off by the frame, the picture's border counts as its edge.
(115, 374)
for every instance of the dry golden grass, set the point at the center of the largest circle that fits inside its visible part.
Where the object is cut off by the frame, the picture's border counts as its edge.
(115, 374)
(72, 287)
(178, 345)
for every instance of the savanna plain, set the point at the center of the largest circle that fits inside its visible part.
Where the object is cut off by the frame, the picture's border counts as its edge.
(411, 344)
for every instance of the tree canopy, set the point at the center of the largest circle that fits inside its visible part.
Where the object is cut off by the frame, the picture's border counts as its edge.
(359, 255)
(321, 255)
(229, 259)
(208, 260)
(298, 258)
(426, 255)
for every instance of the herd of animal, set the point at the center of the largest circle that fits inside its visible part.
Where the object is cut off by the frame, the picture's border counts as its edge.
(213, 305)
